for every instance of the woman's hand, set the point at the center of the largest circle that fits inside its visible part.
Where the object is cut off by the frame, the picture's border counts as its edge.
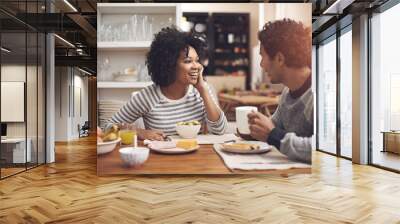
(99, 135)
(212, 109)
(150, 134)
(201, 84)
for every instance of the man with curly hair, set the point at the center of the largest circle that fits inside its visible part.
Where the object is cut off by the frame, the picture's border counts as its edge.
(179, 92)
(286, 57)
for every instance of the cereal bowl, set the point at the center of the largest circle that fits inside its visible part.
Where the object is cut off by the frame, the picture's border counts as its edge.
(134, 156)
(106, 147)
(188, 130)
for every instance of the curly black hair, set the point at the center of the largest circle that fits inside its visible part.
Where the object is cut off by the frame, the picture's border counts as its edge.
(164, 52)
(289, 37)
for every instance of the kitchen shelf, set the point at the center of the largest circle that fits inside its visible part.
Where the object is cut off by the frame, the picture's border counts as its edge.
(123, 85)
(142, 8)
(116, 55)
(137, 45)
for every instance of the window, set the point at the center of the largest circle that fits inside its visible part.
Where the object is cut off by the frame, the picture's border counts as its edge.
(327, 96)
(22, 75)
(385, 85)
(346, 93)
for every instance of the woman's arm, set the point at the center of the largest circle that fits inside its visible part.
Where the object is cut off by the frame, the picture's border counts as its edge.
(213, 111)
(138, 106)
(215, 116)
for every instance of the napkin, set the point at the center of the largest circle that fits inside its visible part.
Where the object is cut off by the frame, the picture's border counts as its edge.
(160, 144)
(273, 160)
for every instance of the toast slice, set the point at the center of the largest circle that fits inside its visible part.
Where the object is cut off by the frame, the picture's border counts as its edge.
(241, 146)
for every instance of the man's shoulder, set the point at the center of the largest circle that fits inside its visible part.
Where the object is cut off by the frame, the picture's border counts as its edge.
(308, 101)
(284, 95)
(308, 96)
(285, 90)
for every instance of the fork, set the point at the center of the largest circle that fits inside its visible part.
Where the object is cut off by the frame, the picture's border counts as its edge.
(229, 141)
(271, 163)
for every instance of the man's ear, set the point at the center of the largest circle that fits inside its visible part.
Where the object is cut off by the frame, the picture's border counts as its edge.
(280, 58)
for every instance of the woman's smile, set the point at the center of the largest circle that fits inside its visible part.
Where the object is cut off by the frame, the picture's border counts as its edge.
(194, 75)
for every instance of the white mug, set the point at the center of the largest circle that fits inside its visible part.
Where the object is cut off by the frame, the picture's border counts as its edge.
(242, 122)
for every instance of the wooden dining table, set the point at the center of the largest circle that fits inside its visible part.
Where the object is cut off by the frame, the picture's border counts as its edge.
(202, 161)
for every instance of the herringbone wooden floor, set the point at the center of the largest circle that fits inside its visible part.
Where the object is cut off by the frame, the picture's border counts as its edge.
(70, 192)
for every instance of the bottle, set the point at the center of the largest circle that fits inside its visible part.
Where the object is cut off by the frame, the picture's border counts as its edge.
(221, 38)
(244, 38)
(231, 38)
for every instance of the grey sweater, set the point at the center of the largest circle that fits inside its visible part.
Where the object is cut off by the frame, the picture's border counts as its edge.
(294, 123)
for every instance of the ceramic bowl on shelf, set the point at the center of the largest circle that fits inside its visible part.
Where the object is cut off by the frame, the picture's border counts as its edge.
(132, 76)
(130, 71)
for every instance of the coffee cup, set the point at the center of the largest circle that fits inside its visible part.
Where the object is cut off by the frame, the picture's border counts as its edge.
(242, 121)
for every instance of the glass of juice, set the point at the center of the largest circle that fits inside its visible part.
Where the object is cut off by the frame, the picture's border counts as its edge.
(128, 134)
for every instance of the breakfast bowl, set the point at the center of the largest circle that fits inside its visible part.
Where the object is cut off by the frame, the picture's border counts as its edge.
(134, 156)
(189, 129)
(106, 147)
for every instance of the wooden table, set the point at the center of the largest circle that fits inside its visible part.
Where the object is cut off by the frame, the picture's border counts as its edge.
(203, 161)
(391, 141)
(265, 104)
(252, 100)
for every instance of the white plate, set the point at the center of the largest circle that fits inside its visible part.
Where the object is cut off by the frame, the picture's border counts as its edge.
(264, 147)
(175, 150)
(209, 139)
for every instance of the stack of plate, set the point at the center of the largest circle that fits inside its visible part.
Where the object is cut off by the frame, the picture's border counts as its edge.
(106, 109)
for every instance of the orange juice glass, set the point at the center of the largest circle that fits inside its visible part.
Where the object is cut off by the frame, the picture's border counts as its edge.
(128, 134)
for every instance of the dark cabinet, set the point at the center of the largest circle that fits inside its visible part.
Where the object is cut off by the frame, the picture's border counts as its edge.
(228, 39)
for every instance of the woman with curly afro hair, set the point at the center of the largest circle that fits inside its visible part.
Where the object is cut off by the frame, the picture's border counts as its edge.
(179, 92)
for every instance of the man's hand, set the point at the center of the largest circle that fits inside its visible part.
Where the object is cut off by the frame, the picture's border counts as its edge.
(260, 126)
(150, 134)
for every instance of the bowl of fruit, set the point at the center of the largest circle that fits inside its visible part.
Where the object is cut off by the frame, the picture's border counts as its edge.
(107, 140)
(188, 129)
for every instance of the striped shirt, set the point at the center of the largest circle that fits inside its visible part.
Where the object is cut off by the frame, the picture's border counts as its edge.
(160, 113)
